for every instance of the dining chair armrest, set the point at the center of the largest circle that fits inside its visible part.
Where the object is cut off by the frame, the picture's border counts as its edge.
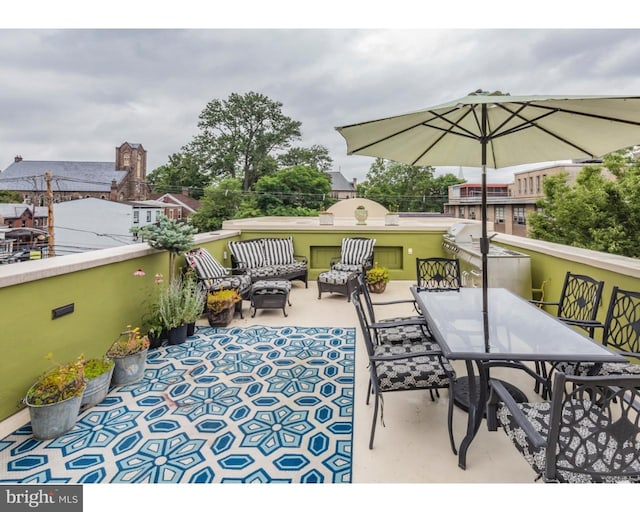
(397, 323)
(543, 303)
(586, 324)
(518, 416)
(392, 302)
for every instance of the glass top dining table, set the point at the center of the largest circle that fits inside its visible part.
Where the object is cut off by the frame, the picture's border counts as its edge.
(517, 332)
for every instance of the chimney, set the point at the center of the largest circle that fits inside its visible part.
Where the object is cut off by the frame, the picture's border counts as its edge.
(113, 193)
(185, 191)
(355, 182)
(18, 158)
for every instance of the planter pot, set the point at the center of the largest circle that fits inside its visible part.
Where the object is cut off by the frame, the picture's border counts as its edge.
(96, 390)
(177, 335)
(157, 341)
(361, 216)
(222, 318)
(392, 219)
(377, 287)
(326, 219)
(129, 369)
(53, 420)
(191, 329)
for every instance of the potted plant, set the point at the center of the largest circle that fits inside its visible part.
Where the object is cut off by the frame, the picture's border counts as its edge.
(98, 373)
(129, 354)
(54, 399)
(377, 278)
(194, 301)
(169, 235)
(221, 306)
(171, 307)
(392, 217)
(325, 218)
(361, 214)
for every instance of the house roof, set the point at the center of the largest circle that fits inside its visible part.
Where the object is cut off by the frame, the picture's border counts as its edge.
(339, 182)
(15, 210)
(28, 175)
(183, 200)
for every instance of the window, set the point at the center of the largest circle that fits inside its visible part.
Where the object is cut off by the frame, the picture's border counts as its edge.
(519, 215)
(525, 185)
(461, 212)
(136, 217)
(531, 184)
(499, 214)
(537, 184)
(157, 215)
(472, 212)
(149, 216)
(519, 186)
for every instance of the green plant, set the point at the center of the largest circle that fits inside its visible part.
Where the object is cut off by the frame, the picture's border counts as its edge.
(377, 274)
(129, 342)
(169, 235)
(97, 366)
(222, 299)
(171, 305)
(193, 297)
(360, 207)
(61, 383)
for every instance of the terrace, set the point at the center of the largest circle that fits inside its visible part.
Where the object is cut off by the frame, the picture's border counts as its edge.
(413, 447)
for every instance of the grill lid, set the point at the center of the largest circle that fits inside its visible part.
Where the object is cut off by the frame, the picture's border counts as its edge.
(461, 232)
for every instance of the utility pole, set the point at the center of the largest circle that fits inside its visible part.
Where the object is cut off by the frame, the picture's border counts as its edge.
(51, 250)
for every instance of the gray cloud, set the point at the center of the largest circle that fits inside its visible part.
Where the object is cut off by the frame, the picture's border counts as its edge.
(76, 94)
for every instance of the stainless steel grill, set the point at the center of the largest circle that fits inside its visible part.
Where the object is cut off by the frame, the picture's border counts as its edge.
(506, 268)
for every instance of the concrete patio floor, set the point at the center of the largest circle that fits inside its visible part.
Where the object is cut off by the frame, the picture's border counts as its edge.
(413, 445)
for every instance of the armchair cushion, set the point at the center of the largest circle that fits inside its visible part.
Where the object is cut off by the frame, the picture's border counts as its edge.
(356, 251)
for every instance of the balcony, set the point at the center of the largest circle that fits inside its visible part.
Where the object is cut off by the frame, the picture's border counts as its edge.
(413, 446)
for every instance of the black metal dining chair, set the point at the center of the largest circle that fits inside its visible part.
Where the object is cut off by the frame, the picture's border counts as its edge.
(621, 332)
(407, 366)
(589, 432)
(395, 329)
(578, 306)
(438, 274)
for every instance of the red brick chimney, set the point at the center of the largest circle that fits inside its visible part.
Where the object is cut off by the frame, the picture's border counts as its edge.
(113, 193)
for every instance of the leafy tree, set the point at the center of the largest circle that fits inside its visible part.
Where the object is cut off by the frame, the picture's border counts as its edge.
(316, 157)
(181, 171)
(596, 213)
(219, 203)
(406, 187)
(298, 190)
(240, 137)
(9, 196)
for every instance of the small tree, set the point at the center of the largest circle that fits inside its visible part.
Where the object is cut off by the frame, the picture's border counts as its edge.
(168, 235)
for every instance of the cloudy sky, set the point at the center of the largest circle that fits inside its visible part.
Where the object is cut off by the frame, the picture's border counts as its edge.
(77, 93)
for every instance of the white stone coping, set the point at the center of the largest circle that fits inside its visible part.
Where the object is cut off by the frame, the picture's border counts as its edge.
(26, 271)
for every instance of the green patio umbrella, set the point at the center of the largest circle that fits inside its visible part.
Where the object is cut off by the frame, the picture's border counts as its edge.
(499, 130)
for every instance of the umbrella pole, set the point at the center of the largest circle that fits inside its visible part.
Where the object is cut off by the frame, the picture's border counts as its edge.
(484, 241)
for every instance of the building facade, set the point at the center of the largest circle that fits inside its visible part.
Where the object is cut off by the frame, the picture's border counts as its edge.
(508, 205)
(121, 180)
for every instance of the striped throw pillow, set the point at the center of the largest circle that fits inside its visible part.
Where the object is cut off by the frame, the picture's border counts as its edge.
(250, 253)
(355, 251)
(278, 251)
(205, 265)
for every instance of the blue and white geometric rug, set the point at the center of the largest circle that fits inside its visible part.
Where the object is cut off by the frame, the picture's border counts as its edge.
(258, 404)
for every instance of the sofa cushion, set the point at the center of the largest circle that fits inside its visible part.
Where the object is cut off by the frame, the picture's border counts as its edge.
(278, 251)
(249, 253)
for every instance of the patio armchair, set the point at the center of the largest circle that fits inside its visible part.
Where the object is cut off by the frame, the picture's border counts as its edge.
(407, 366)
(356, 255)
(214, 277)
(589, 432)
